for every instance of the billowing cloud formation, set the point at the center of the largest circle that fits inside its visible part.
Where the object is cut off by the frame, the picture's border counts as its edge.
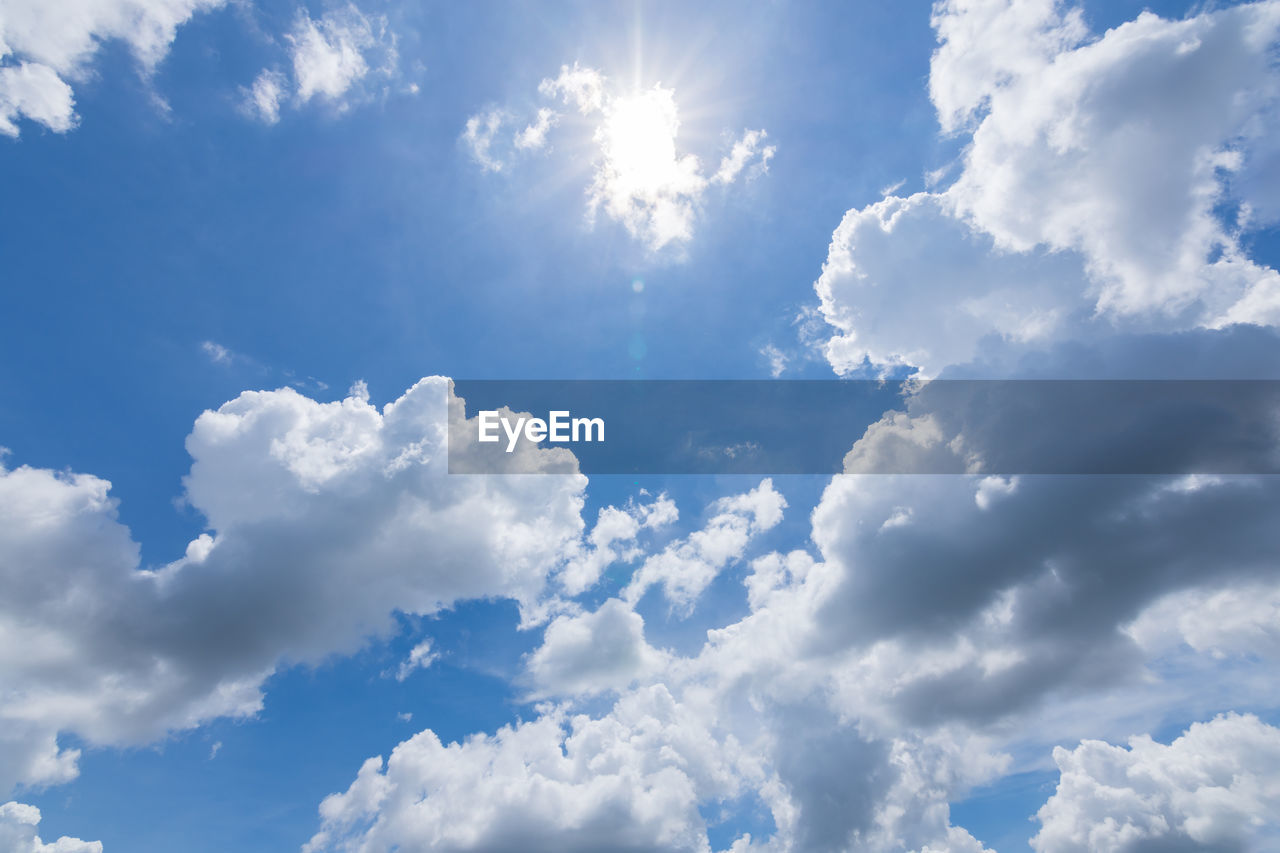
(1213, 788)
(628, 782)
(329, 57)
(943, 631)
(1093, 190)
(641, 179)
(18, 823)
(46, 46)
(324, 518)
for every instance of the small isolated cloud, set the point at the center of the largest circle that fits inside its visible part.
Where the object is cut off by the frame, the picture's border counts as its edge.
(405, 716)
(1214, 788)
(420, 657)
(641, 179)
(36, 92)
(18, 824)
(535, 135)
(330, 59)
(215, 749)
(217, 353)
(748, 151)
(777, 359)
(479, 136)
(262, 100)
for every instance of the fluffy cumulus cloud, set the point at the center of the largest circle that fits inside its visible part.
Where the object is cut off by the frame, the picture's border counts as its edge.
(594, 652)
(1098, 188)
(331, 59)
(641, 178)
(629, 781)
(1213, 788)
(324, 519)
(18, 824)
(45, 47)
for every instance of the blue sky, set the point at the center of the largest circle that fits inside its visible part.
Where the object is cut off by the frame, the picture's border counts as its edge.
(239, 234)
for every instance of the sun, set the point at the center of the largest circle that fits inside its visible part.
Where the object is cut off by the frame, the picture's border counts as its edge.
(638, 137)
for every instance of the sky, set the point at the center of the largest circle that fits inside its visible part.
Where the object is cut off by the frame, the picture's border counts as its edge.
(245, 606)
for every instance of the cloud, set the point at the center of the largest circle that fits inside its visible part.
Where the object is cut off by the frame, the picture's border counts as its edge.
(559, 783)
(641, 179)
(217, 353)
(42, 51)
(906, 283)
(420, 657)
(534, 136)
(18, 823)
(685, 568)
(593, 652)
(1091, 196)
(937, 632)
(748, 148)
(777, 360)
(1213, 788)
(479, 136)
(263, 99)
(613, 540)
(324, 519)
(36, 92)
(330, 59)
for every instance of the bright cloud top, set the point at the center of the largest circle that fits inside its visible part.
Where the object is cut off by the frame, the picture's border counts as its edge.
(642, 179)
(1213, 788)
(1108, 180)
(18, 825)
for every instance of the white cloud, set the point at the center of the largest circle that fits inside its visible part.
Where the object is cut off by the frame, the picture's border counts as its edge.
(43, 46)
(328, 55)
(534, 136)
(748, 148)
(612, 540)
(641, 179)
(331, 58)
(629, 781)
(217, 353)
(942, 631)
(479, 135)
(594, 652)
(685, 568)
(1236, 620)
(1213, 788)
(907, 283)
(583, 87)
(1118, 149)
(36, 92)
(324, 519)
(18, 823)
(263, 99)
(777, 360)
(421, 656)
(1090, 194)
